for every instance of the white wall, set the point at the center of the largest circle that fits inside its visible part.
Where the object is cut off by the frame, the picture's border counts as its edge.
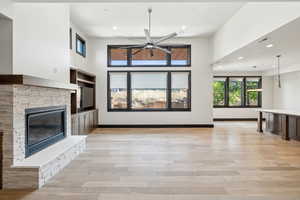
(6, 64)
(41, 40)
(6, 8)
(76, 60)
(251, 22)
(288, 96)
(201, 86)
(267, 98)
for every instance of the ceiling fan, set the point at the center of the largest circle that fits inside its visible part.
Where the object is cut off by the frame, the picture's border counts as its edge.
(151, 43)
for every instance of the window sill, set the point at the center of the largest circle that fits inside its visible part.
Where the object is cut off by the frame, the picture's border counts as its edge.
(237, 106)
(150, 110)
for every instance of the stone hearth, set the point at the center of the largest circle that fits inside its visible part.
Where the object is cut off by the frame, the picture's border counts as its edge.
(36, 170)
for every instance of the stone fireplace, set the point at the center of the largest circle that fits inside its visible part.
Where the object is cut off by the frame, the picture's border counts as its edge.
(35, 119)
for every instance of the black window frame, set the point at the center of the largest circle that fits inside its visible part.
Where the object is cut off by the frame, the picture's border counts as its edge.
(168, 95)
(244, 92)
(78, 37)
(168, 57)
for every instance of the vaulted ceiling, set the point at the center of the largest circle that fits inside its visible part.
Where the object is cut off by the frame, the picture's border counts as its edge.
(129, 19)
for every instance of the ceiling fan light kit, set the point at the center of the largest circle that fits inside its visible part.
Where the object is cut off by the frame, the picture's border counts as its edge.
(150, 43)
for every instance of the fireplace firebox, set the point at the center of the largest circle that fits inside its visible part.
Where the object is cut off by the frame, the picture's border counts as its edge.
(44, 127)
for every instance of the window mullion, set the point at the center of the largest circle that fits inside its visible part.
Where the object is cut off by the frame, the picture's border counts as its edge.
(169, 91)
(244, 93)
(227, 92)
(129, 57)
(129, 91)
(169, 57)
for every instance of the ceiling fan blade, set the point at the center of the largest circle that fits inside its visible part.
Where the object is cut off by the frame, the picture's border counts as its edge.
(164, 38)
(147, 34)
(138, 51)
(133, 46)
(162, 49)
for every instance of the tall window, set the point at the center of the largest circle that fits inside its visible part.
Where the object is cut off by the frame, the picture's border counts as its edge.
(237, 91)
(253, 93)
(117, 57)
(219, 86)
(180, 90)
(149, 91)
(118, 90)
(80, 46)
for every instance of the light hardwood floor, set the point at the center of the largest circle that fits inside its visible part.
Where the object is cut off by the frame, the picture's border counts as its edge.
(229, 162)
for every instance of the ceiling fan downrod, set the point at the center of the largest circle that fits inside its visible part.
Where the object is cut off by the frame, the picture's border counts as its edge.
(149, 19)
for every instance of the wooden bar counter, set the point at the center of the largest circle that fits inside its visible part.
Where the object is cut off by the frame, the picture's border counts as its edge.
(285, 123)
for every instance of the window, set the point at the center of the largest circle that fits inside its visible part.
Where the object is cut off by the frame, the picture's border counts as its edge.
(253, 94)
(137, 57)
(149, 91)
(180, 90)
(70, 38)
(180, 56)
(146, 57)
(118, 90)
(219, 85)
(80, 46)
(237, 91)
(118, 57)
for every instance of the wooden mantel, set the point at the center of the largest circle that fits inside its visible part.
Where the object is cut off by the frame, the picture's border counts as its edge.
(34, 81)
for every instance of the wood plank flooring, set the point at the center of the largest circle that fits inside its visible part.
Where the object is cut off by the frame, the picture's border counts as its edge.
(229, 162)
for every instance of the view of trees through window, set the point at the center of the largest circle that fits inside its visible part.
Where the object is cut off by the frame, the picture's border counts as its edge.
(252, 96)
(219, 91)
(237, 91)
(160, 90)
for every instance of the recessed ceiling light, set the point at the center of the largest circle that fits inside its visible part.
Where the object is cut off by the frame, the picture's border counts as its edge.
(269, 45)
(183, 27)
(240, 58)
(115, 28)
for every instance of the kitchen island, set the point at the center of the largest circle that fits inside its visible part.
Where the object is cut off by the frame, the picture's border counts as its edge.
(285, 123)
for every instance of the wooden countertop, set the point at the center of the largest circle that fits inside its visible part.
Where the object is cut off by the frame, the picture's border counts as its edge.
(34, 81)
(281, 111)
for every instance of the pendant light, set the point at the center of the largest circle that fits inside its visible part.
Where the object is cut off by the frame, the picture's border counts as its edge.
(278, 71)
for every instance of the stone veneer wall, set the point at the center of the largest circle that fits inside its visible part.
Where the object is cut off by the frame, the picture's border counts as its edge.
(14, 99)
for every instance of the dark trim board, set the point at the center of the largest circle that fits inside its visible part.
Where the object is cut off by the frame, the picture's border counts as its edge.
(155, 126)
(236, 119)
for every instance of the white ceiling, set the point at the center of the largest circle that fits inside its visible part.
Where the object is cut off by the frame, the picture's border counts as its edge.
(285, 42)
(200, 19)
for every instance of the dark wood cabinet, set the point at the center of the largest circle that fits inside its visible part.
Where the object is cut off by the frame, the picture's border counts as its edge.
(294, 128)
(287, 126)
(269, 122)
(84, 122)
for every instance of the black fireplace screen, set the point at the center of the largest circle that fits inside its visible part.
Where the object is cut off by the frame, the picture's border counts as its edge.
(44, 126)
